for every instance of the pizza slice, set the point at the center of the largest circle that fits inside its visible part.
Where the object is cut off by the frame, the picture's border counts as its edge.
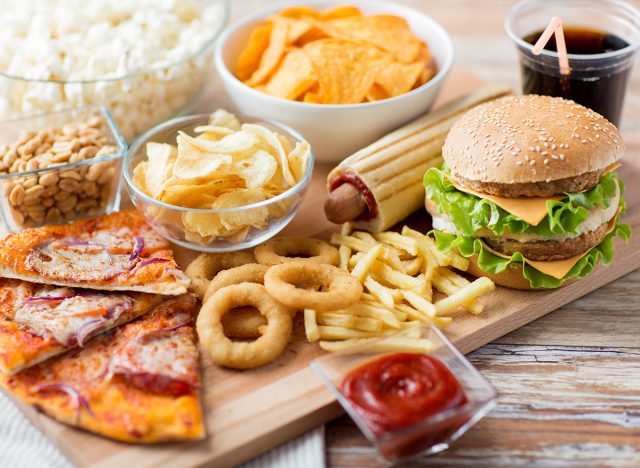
(139, 383)
(116, 252)
(39, 321)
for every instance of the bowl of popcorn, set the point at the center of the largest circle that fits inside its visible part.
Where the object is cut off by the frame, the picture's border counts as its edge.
(147, 61)
(343, 73)
(59, 166)
(219, 182)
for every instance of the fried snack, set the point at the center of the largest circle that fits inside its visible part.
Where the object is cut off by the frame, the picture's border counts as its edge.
(334, 56)
(243, 323)
(243, 355)
(283, 249)
(249, 273)
(338, 289)
(380, 185)
(398, 272)
(225, 164)
(207, 265)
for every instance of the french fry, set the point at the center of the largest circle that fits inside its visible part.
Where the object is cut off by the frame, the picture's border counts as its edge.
(384, 345)
(399, 273)
(464, 295)
(384, 272)
(380, 292)
(377, 312)
(366, 324)
(365, 237)
(412, 267)
(412, 314)
(311, 325)
(346, 229)
(445, 283)
(332, 333)
(398, 241)
(345, 255)
(366, 263)
(419, 303)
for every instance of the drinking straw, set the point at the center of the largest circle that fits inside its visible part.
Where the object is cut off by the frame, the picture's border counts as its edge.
(554, 27)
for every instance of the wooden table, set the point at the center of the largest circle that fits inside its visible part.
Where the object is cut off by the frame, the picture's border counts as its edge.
(569, 383)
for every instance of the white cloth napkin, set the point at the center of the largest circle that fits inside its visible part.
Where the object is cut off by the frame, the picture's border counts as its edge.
(23, 446)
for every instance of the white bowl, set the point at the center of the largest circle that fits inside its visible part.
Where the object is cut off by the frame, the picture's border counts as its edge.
(336, 130)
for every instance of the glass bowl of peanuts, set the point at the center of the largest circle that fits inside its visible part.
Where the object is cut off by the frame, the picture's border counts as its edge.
(59, 166)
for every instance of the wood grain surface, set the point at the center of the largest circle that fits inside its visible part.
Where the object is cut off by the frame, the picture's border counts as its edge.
(569, 383)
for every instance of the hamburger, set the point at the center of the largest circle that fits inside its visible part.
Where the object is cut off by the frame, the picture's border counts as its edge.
(529, 191)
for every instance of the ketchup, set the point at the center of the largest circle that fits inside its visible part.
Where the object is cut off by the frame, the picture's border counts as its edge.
(399, 390)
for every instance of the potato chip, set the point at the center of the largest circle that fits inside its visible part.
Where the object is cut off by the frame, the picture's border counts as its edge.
(256, 169)
(299, 159)
(199, 225)
(313, 98)
(296, 28)
(272, 142)
(376, 93)
(199, 195)
(239, 236)
(344, 73)
(387, 32)
(140, 176)
(398, 78)
(159, 155)
(255, 217)
(294, 76)
(194, 163)
(284, 141)
(224, 118)
(346, 70)
(249, 59)
(340, 11)
(272, 54)
(212, 132)
(238, 142)
(299, 12)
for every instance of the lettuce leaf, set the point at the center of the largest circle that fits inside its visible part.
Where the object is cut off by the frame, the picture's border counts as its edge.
(468, 247)
(470, 213)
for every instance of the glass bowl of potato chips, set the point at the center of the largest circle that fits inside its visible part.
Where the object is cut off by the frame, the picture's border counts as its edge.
(219, 182)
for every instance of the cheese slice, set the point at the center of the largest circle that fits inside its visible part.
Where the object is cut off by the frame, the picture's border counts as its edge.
(558, 268)
(530, 209)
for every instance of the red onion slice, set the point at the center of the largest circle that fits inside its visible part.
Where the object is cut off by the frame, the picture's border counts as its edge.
(150, 261)
(137, 249)
(77, 399)
(87, 329)
(47, 298)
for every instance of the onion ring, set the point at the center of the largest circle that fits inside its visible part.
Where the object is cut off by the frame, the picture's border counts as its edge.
(249, 273)
(338, 289)
(242, 355)
(243, 323)
(283, 250)
(207, 265)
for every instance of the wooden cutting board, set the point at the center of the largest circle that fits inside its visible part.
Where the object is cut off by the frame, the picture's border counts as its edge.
(249, 412)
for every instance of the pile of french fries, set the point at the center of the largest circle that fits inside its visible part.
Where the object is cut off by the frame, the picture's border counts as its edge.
(402, 274)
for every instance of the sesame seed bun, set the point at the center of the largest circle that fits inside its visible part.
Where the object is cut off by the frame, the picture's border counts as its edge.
(531, 140)
(509, 278)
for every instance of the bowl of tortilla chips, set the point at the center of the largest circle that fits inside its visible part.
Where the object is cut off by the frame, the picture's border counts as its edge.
(342, 75)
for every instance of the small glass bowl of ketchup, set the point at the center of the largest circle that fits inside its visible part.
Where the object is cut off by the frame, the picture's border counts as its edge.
(412, 401)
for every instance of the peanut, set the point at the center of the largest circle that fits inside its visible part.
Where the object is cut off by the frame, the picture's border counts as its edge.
(57, 195)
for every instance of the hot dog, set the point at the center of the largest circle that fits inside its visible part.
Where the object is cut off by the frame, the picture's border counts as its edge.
(381, 184)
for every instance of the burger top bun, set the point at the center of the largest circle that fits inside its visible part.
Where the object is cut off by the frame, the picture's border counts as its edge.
(531, 138)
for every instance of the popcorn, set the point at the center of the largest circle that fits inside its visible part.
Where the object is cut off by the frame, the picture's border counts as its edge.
(134, 56)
